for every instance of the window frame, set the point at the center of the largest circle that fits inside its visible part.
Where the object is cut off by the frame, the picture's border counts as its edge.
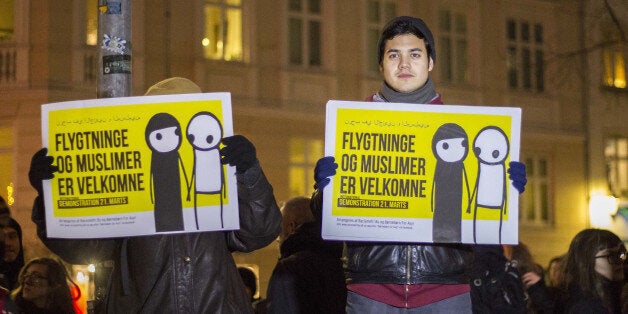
(224, 6)
(306, 186)
(454, 63)
(614, 164)
(538, 192)
(307, 19)
(525, 55)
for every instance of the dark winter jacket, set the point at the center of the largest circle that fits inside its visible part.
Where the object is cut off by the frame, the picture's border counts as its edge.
(408, 263)
(309, 277)
(577, 301)
(179, 273)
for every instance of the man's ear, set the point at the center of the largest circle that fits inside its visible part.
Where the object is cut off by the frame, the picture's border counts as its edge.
(430, 65)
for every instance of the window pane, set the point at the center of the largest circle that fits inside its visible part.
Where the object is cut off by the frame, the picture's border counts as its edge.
(609, 73)
(530, 208)
(511, 30)
(314, 6)
(372, 12)
(445, 21)
(297, 179)
(390, 11)
(542, 168)
(315, 150)
(620, 71)
(295, 5)
(525, 32)
(461, 58)
(538, 33)
(512, 67)
(539, 71)
(622, 147)
(295, 41)
(544, 203)
(371, 51)
(525, 68)
(213, 41)
(445, 58)
(461, 24)
(530, 169)
(315, 43)
(297, 150)
(7, 20)
(91, 22)
(233, 38)
(234, 2)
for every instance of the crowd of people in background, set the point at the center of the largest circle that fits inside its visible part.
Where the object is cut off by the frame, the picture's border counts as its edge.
(196, 273)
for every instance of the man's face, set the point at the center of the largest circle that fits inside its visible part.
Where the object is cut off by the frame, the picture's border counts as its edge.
(405, 64)
(12, 244)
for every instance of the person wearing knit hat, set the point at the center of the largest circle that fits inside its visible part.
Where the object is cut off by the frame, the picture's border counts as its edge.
(181, 272)
(419, 277)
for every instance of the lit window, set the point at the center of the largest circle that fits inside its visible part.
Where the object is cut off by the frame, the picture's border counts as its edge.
(6, 164)
(222, 38)
(614, 62)
(304, 153)
(305, 32)
(525, 53)
(534, 205)
(616, 153)
(91, 22)
(452, 55)
(7, 20)
(378, 13)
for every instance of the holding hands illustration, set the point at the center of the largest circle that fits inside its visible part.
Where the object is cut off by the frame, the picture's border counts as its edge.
(238, 152)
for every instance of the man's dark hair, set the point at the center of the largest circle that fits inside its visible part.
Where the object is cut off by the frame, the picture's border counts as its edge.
(406, 25)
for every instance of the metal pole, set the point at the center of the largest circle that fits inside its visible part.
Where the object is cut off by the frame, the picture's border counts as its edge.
(114, 31)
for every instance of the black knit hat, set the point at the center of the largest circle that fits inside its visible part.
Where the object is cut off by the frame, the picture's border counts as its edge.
(406, 25)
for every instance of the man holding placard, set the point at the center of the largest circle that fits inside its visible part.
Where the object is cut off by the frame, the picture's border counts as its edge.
(174, 273)
(384, 277)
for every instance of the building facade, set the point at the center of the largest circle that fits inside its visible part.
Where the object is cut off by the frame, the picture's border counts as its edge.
(283, 60)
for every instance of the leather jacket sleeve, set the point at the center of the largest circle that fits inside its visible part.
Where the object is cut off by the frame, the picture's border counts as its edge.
(73, 251)
(260, 218)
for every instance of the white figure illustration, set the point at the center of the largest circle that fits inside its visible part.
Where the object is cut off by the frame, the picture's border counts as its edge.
(204, 133)
(491, 148)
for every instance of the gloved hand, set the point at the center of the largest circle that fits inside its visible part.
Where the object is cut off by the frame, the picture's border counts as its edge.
(517, 173)
(325, 168)
(41, 169)
(238, 152)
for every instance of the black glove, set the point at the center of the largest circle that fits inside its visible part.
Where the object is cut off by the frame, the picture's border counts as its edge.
(41, 169)
(238, 152)
(325, 168)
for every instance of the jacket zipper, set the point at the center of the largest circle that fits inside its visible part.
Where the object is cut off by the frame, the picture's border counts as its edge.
(408, 259)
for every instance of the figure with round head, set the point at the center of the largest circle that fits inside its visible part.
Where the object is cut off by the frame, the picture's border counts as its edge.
(450, 146)
(163, 136)
(491, 148)
(204, 133)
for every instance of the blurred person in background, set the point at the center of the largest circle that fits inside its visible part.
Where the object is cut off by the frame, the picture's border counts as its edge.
(13, 258)
(308, 277)
(44, 287)
(593, 273)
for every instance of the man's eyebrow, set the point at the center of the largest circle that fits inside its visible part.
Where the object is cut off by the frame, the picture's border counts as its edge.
(398, 50)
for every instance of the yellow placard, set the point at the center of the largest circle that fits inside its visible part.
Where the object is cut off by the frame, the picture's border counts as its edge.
(411, 165)
(152, 158)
